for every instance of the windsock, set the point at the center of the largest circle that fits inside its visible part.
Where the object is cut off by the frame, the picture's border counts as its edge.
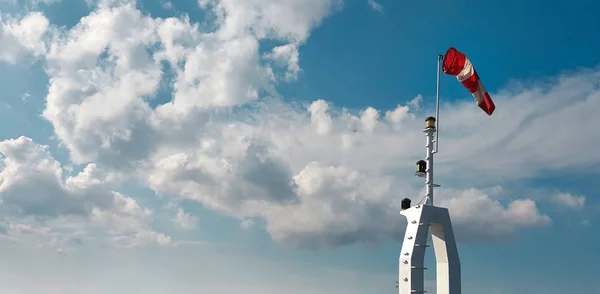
(457, 64)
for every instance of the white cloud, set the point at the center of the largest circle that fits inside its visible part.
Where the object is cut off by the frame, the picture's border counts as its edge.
(35, 198)
(22, 37)
(247, 224)
(185, 220)
(25, 97)
(287, 56)
(288, 20)
(375, 6)
(96, 105)
(481, 218)
(320, 119)
(168, 5)
(570, 201)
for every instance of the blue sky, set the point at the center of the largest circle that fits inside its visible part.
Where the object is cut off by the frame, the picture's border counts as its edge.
(213, 168)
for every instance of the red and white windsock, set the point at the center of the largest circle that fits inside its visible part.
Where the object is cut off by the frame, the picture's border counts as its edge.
(457, 64)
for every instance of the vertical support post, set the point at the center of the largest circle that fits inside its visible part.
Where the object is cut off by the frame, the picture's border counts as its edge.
(430, 129)
(448, 276)
(411, 270)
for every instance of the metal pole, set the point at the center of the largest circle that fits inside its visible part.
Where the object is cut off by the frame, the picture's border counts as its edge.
(437, 104)
(429, 159)
(433, 127)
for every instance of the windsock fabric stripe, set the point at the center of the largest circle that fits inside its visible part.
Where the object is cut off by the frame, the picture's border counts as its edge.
(457, 64)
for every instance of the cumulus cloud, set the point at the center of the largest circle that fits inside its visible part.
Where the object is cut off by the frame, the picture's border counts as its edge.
(318, 174)
(498, 221)
(286, 20)
(286, 56)
(22, 37)
(185, 220)
(34, 189)
(570, 201)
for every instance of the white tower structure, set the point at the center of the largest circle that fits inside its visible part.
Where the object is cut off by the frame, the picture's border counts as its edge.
(423, 219)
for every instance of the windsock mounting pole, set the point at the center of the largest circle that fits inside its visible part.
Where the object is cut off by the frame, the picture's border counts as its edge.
(425, 220)
(431, 127)
(429, 185)
(437, 104)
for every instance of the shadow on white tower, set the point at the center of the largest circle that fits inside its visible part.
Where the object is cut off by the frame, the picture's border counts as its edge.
(424, 219)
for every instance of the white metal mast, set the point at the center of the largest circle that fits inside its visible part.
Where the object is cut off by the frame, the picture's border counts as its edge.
(420, 218)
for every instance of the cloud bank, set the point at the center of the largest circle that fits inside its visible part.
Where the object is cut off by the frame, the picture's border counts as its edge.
(192, 112)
